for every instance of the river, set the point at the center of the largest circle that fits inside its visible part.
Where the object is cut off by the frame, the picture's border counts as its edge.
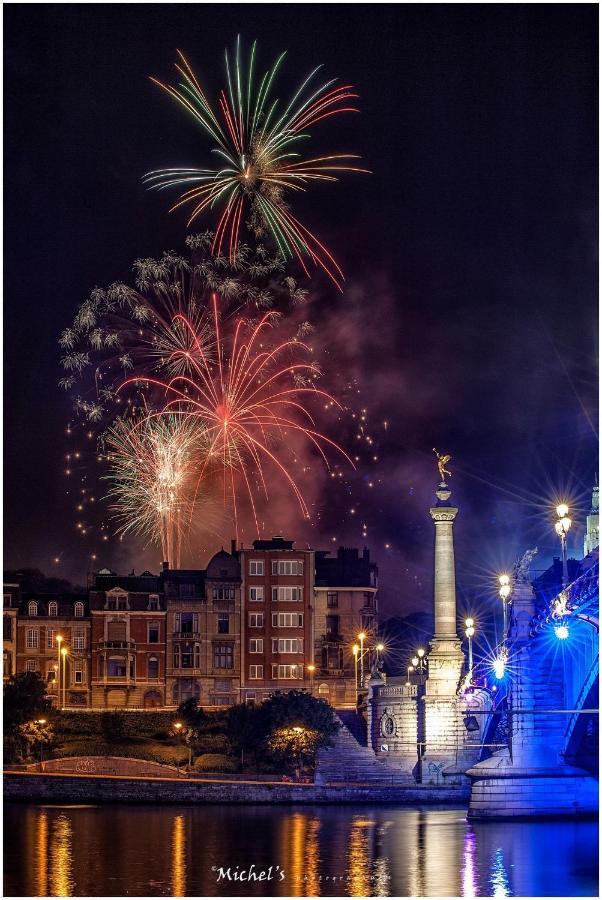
(304, 851)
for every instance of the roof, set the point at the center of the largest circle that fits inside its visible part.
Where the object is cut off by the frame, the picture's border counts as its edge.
(137, 600)
(349, 568)
(223, 565)
(65, 602)
(275, 543)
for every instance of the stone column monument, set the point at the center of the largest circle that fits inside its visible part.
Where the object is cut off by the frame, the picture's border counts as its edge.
(443, 724)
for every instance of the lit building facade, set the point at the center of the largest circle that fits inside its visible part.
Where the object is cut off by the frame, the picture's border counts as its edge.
(46, 625)
(591, 539)
(128, 642)
(345, 605)
(277, 610)
(12, 597)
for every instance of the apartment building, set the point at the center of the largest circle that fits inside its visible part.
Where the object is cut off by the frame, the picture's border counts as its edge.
(277, 606)
(12, 598)
(47, 624)
(345, 606)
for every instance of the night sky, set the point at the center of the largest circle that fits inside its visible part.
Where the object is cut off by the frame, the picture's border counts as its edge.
(469, 318)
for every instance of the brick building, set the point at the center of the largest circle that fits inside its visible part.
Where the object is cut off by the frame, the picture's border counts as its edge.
(128, 641)
(47, 623)
(12, 598)
(277, 606)
(345, 605)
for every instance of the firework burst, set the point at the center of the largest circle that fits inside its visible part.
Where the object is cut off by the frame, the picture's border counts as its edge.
(252, 402)
(153, 467)
(257, 144)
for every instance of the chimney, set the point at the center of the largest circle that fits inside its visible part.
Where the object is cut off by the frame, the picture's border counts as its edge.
(233, 546)
(165, 565)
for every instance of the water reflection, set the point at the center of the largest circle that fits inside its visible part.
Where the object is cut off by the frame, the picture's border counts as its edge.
(323, 851)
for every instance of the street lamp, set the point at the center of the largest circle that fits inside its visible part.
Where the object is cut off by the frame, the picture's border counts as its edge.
(311, 669)
(469, 632)
(355, 650)
(41, 722)
(410, 669)
(505, 591)
(361, 638)
(182, 731)
(59, 639)
(64, 652)
(562, 527)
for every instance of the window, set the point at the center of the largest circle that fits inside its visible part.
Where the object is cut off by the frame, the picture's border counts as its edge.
(32, 608)
(256, 645)
(223, 684)
(153, 633)
(186, 689)
(332, 599)
(287, 620)
(287, 672)
(223, 593)
(8, 599)
(223, 655)
(32, 639)
(287, 567)
(255, 672)
(332, 626)
(332, 657)
(255, 620)
(78, 671)
(116, 601)
(287, 594)
(153, 602)
(7, 630)
(255, 567)
(369, 600)
(32, 665)
(287, 645)
(186, 623)
(51, 670)
(78, 639)
(256, 594)
(187, 656)
(53, 608)
(153, 667)
(6, 664)
(116, 667)
(51, 638)
(116, 631)
(176, 656)
(223, 623)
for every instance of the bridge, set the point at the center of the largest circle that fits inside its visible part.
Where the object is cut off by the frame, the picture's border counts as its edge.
(549, 668)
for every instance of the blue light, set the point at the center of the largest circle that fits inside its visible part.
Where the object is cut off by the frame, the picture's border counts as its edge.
(499, 668)
(561, 632)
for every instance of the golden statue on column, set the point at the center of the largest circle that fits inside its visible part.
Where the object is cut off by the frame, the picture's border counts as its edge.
(442, 461)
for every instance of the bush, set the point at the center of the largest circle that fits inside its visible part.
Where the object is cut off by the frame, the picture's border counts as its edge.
(112, 725)
(211, 743)
(214, 762)
(159, 753)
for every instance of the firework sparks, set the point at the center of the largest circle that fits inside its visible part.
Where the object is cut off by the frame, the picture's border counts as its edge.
(250, 405)
(260, 161)
(153, 470)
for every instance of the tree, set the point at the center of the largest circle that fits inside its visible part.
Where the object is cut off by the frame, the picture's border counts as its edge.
(24, 700)
(245, 727)
(35, 734)
(298, 708)
(190, 713)
(294, 744)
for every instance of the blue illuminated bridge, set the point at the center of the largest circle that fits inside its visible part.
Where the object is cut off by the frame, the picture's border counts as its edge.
(546, 712)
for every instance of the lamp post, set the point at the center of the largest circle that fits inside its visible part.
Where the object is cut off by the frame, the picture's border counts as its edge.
(505, 591)
(469, 632)
(311, 669)
(410, 669)
(361, 638)
(64, 675)
(355, 650)
(41, 722)
(182, 731)
(562, 527)
(59, 639)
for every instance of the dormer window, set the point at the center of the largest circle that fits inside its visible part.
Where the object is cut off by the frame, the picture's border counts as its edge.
(53, 608)
(116, 601)
(79, 610)
(32, 608)
(153, 602)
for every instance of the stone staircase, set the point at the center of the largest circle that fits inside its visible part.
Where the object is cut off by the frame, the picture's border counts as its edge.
(351, 763)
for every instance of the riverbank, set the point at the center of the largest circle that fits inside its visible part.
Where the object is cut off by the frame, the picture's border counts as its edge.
(62, 788)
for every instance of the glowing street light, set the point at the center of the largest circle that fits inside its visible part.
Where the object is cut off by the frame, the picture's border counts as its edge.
(469, 632)
(505, 591)
(499, 667)
(361, 638)
(58, 640)
(561, 632)
(311, 669)
(410, 669)
(355, 650)
(562, 527)
(64, 653)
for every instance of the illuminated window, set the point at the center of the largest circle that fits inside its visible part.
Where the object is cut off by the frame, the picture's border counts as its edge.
(78, 639)
(32, 639)
(51, 638)
(32, 665)
(287, 594)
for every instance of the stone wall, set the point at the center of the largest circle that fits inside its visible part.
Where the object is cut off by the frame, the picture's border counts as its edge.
(30, 787)
(109, 765)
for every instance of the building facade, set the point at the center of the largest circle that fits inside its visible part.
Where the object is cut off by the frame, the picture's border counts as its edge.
(277, 608)
(53, 639)
(345, 606)
(591, 539)
(12, 598)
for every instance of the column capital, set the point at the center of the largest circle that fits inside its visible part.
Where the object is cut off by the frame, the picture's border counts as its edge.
(444, 513)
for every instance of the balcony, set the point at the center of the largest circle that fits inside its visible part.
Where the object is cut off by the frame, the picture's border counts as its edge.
(182, 672)
(117, 645)
(186, 635)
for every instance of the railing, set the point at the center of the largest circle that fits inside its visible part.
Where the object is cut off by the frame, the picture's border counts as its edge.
(117, 645)
(186, 635)
(181, 670)
(404, 690)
